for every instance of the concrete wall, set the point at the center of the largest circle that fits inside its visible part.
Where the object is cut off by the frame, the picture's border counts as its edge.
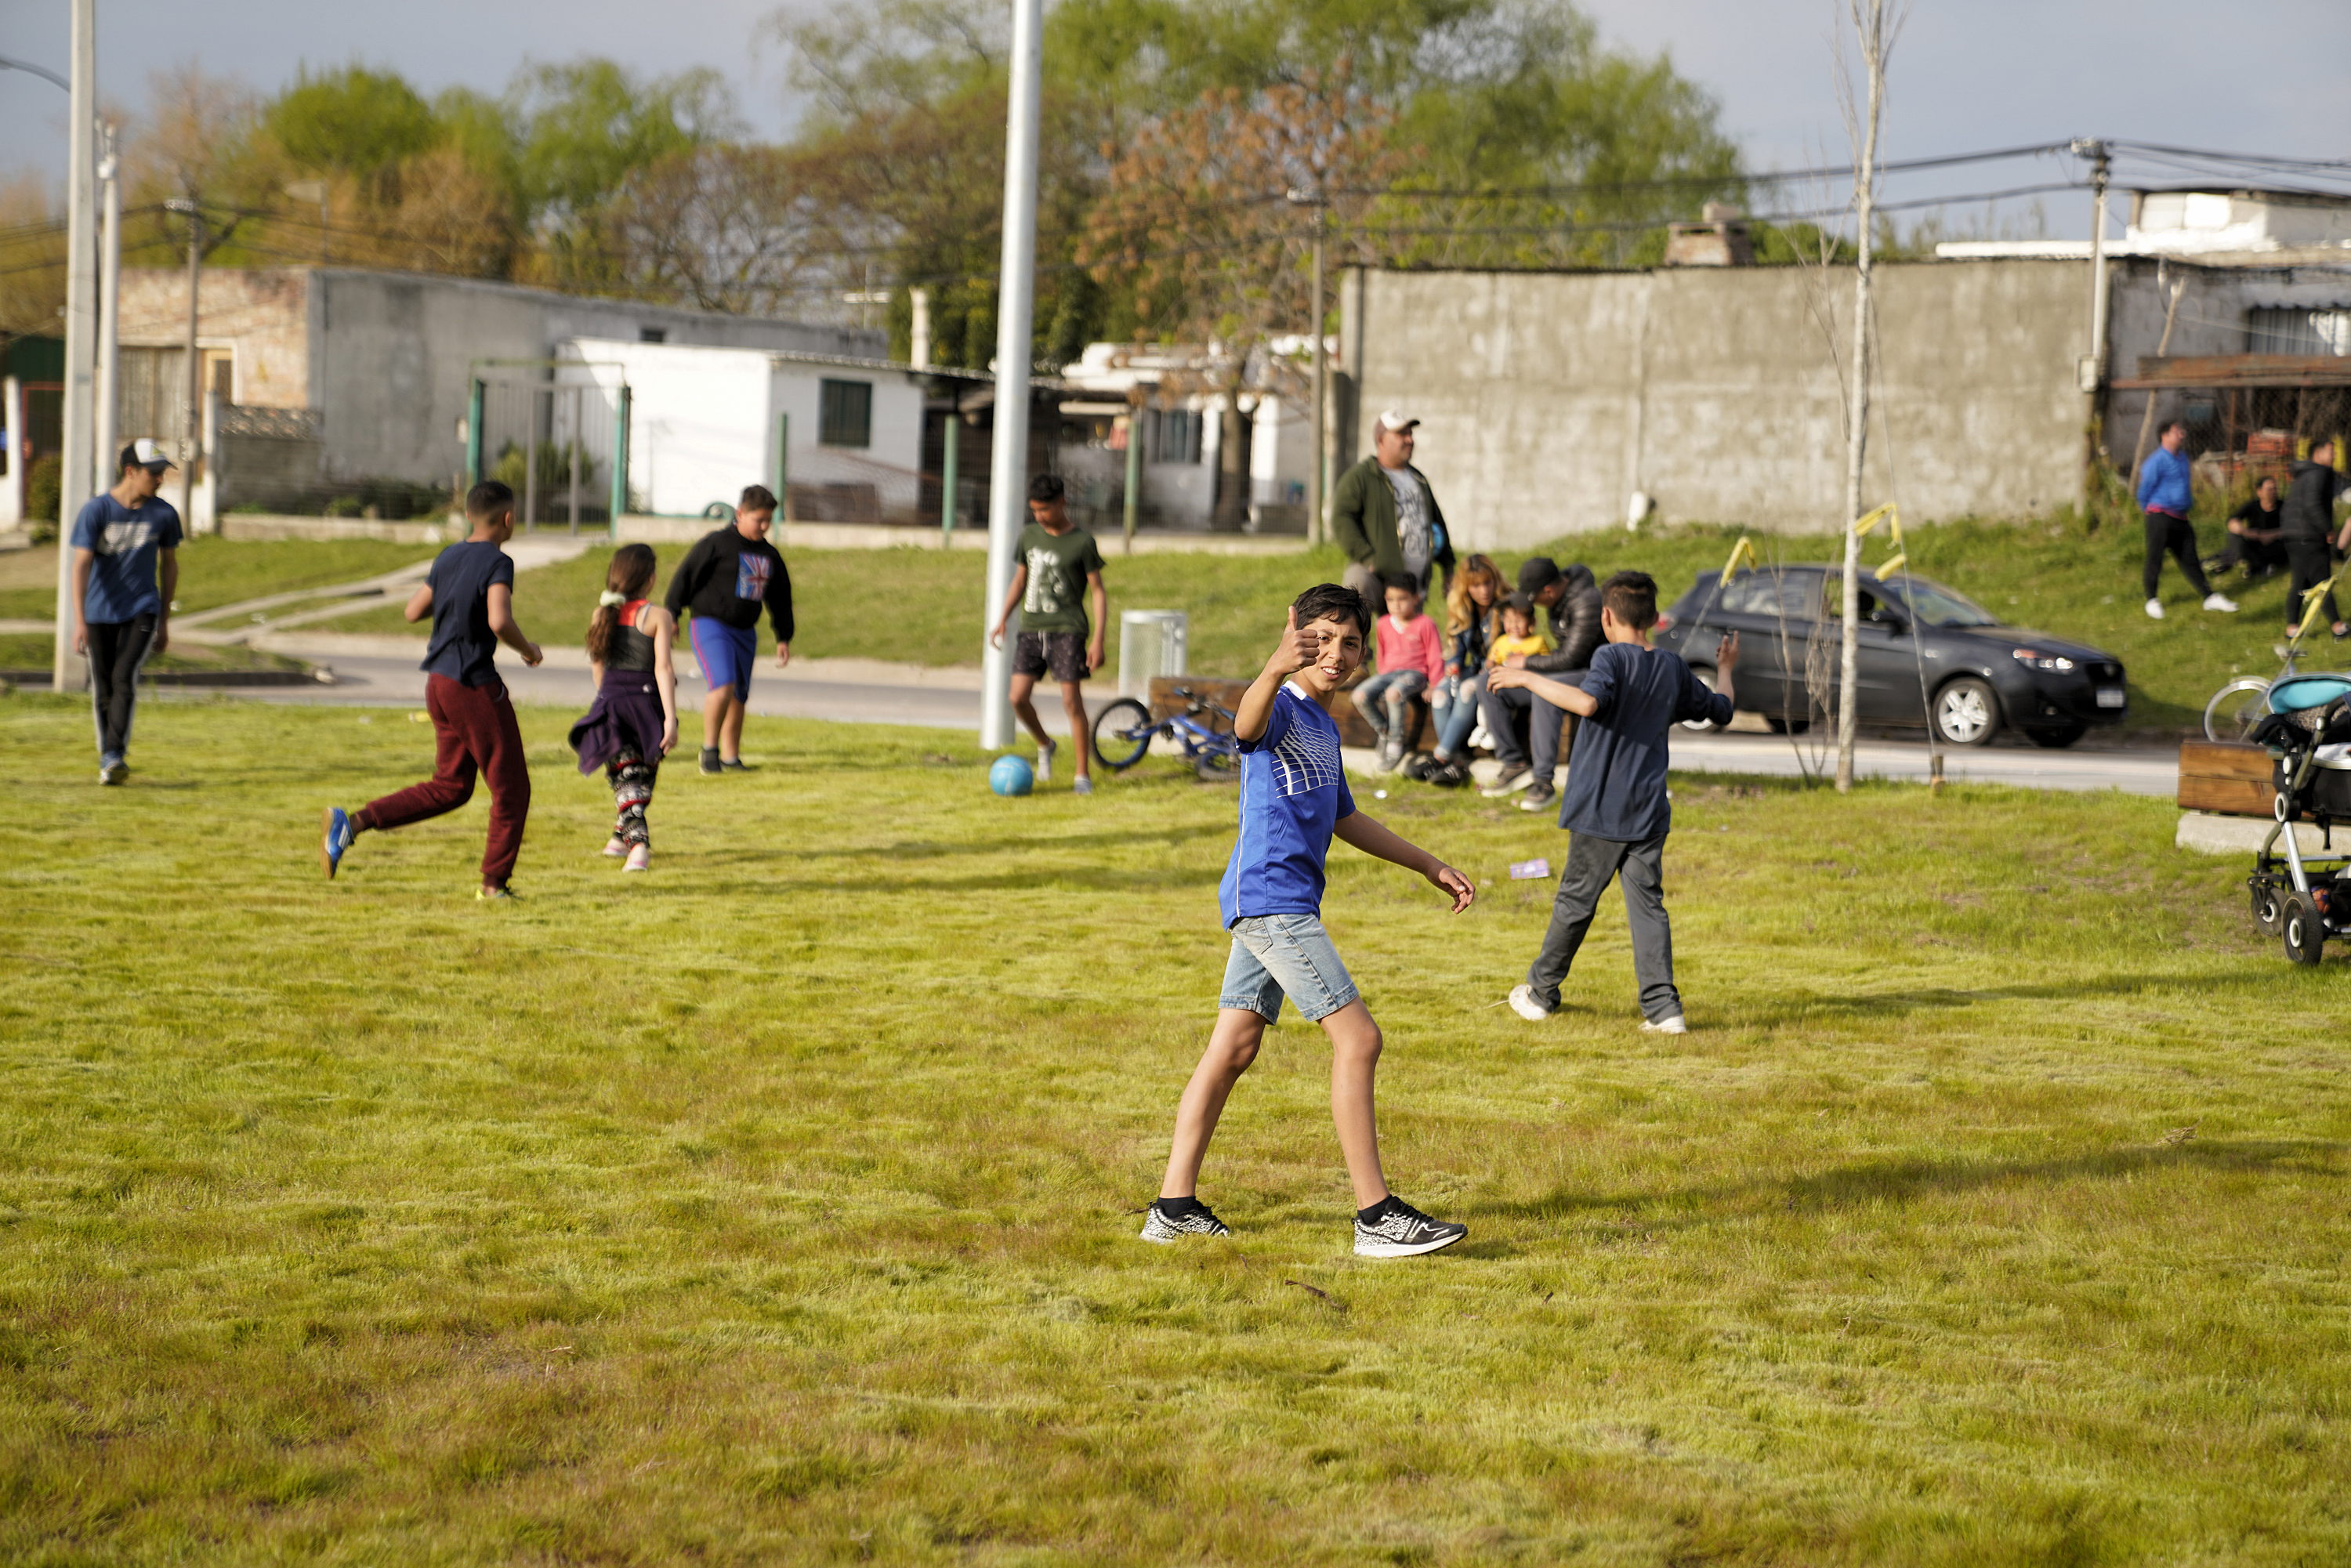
(1547, 399)
(260, 314)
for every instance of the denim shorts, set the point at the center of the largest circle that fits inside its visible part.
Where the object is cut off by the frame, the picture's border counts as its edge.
(1277, 956)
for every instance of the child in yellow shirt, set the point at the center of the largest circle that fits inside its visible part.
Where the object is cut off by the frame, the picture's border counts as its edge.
(1519, 634)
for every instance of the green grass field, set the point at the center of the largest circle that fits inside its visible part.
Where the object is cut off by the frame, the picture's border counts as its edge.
(217, 571)
(923, 605)
(779, 1206)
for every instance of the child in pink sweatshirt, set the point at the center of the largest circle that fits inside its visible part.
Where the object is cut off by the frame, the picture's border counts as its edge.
(1412, 662)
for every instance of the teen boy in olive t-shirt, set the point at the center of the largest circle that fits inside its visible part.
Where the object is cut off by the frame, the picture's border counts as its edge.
(1059, 631)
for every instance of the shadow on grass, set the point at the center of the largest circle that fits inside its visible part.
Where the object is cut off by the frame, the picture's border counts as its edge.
(1785, 1008)
(1899, 1181)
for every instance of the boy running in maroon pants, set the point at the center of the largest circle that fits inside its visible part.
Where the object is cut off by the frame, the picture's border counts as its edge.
(470, 595)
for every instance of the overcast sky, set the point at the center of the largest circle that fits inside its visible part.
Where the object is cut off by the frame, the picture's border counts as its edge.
(1967, 75)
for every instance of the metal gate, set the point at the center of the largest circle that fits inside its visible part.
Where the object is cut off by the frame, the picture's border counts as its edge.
(557, 436)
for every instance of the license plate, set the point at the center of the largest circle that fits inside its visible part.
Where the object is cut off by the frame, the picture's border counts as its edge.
(2111, 696)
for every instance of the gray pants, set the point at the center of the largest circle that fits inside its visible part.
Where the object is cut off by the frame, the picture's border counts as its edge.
(1590, 864)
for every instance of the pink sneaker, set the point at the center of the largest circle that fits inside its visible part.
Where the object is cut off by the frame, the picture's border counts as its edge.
(641, 858)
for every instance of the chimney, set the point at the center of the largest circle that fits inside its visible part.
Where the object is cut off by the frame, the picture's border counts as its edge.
(1719, 238)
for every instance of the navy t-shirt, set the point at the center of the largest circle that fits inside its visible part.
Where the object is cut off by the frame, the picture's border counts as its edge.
(122, 541)
(1616, 779)
(463, 647)
(1292, 790)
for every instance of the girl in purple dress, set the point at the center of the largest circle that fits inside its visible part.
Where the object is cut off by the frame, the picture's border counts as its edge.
(634, 721)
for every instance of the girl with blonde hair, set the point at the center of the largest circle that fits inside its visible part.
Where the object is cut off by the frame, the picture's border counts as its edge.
(1472, 608)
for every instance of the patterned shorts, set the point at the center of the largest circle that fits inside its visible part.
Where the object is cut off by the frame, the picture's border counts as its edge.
(1063, 653)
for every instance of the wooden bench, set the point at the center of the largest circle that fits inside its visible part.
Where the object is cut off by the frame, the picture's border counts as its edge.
(2226, 779)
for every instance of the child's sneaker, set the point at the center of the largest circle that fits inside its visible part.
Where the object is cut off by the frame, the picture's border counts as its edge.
(735, 765)
(1390, 755)
(115, 772)
(710, 763)
(641, 858)
(496, 895)
(1523, 1003)
(1397, 1230)
(1045, 750)
(616, 846)
(1082, 785)
(1673, 1024)
(1163, 1224)
(1512, 778)
(338, 840)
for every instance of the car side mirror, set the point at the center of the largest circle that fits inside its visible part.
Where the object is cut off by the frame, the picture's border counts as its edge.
(1894, 624)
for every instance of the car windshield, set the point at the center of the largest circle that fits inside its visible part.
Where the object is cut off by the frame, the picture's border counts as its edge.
(1932, 604)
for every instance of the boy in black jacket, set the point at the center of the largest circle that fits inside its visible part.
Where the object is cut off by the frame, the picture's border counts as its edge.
(724, 579)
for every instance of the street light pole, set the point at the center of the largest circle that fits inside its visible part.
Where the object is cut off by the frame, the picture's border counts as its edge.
(1008, 489)
(107, 415)
(81, 318)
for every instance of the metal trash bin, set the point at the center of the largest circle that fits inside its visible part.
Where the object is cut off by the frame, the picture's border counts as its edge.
(1150, 643)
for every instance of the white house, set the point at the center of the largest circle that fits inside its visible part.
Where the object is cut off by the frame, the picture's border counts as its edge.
(840, 439)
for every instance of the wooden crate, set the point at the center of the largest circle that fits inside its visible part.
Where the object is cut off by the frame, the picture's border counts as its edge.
(2226, 778)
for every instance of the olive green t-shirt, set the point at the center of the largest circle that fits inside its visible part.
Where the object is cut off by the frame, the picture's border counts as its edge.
(1057, 566)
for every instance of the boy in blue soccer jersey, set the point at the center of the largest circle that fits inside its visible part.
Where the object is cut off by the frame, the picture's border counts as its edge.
(1294, 801)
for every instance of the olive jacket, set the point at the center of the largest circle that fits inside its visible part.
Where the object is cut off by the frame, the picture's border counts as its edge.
(1364, 520)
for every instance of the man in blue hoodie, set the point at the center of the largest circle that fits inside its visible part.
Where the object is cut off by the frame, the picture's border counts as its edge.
(2163, 495)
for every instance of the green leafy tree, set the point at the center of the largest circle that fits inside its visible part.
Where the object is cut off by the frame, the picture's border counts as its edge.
(353, 121)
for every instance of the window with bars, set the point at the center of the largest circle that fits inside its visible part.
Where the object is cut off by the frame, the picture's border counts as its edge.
(1172, 436)
(844, 414)
(2299, 330)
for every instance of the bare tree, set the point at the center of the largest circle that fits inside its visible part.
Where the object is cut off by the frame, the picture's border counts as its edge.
(721, 228)
(1875, 25)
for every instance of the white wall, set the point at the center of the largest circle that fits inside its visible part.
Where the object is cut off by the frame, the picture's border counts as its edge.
(892, 462)
(696, 418)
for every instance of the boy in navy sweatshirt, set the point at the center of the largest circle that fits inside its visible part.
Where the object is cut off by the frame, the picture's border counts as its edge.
(1615, 803)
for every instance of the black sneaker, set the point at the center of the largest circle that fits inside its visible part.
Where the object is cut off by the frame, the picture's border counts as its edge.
(1400, 1230)
(1538, 798)
(1196, 1218)
(710, 763)
(737, 765)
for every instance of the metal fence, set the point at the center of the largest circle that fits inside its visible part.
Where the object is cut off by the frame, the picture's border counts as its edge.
(552, 441)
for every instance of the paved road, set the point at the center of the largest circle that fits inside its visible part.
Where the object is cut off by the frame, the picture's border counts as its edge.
(816, 691)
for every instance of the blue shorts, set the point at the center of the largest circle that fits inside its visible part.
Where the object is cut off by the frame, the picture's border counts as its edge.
(1275, 955)
(725, 654)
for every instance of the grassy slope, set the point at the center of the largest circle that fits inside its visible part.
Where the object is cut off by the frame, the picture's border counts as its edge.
(214, 572)
(2056, 581)
(779, 1205)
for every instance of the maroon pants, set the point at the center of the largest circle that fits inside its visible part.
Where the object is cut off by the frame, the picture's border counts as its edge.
(474, 730)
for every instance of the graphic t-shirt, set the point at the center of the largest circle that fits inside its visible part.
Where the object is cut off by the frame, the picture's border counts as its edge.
(1292, 791)
(1055, 600)
(1616, 779)
(463, 648)
(1412, 518)
(122, 541)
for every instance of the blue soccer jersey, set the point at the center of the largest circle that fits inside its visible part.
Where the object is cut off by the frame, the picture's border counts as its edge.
(1292, 791)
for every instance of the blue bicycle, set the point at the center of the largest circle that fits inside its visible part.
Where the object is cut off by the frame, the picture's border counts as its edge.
(1124, 730)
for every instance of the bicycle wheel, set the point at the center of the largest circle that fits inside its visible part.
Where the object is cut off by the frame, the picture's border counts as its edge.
(2235, 709)
(1122, 733)
(1218, 767)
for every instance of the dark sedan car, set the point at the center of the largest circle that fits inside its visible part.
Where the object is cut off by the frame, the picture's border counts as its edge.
(1927, 654)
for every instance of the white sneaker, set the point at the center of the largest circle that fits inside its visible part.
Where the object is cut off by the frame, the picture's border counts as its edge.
(1082, 785)
(1673, 1025)
(616, 846)
(1523, 1003)
(641, 858)
(1045, 763)
(2155, 609)
(2220, 602)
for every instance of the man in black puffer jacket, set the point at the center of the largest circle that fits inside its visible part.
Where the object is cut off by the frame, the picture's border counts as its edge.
(1571, 600)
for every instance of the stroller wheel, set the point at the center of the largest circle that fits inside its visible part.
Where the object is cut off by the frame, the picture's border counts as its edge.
(2266, 913)
(2304, 931)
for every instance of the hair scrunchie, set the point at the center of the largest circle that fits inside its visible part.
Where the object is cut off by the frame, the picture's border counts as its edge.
(610, 598)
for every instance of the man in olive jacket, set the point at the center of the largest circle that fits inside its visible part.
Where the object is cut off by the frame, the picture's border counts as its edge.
(1384, 516)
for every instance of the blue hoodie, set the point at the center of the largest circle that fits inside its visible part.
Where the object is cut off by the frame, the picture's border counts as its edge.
(2163, 483)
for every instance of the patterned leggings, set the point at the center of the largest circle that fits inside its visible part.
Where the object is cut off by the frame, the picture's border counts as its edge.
(632, 778)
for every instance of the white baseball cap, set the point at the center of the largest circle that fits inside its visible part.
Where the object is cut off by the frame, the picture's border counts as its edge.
(147, 455)
(1397, 419)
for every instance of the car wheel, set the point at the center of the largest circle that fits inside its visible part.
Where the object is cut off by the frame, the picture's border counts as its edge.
(2267, 913)
(2305, 932)
(1787, 725)
(2057, 737)
(1967, 713)
(1705, 674)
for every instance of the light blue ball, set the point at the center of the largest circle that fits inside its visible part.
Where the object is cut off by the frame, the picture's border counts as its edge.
(1011, 776)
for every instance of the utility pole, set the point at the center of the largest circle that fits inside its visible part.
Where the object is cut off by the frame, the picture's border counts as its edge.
(81, 318)
(1317, 478)
(196, 369)
(1008, 482)
(2093, 364)
(1873, 32)
(107, 414)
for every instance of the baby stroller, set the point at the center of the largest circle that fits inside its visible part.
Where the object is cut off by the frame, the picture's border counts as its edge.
(2308, 737)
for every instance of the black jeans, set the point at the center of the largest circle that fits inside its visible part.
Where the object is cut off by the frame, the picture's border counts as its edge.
(1501, 710)
(2312, 562)
(116, 649)
(2178, 535)
(1591, 863)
